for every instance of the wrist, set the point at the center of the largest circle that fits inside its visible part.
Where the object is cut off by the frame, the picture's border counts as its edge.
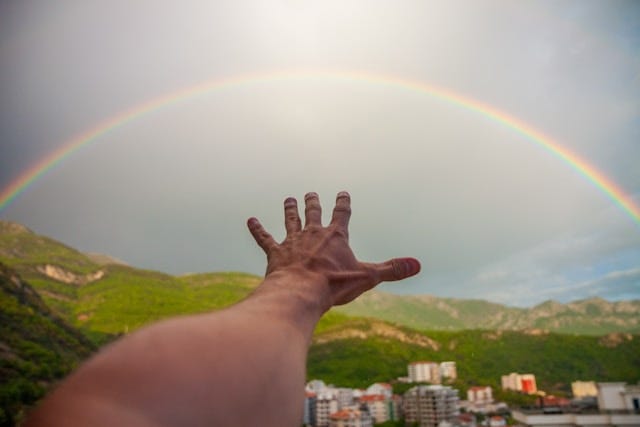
(294, 295)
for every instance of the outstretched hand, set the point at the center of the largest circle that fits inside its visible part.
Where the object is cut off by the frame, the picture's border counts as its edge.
(324, 251)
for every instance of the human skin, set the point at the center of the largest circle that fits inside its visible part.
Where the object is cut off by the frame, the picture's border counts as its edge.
(241, 366)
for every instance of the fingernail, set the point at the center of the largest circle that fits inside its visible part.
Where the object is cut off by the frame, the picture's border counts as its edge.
(310, 195)
(412, 266)
(290, 201)
(252, 221)
(343, 194)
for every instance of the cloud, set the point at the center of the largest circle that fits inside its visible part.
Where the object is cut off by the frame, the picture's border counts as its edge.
(601, 259)
(488, 212)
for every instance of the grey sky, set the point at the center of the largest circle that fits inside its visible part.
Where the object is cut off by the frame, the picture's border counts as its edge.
(489, 214)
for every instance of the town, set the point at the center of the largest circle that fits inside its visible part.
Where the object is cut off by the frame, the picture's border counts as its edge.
(430, 401)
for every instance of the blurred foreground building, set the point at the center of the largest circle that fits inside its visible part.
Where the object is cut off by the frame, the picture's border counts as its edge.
(618, 405)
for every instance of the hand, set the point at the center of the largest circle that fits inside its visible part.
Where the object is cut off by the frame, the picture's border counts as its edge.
(324, 251)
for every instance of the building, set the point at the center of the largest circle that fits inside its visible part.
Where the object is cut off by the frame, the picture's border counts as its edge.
(582, 389)
(618, 397)
(497, 421)
(480, 395)
(524, 383)
(384, 389)
(448, 370)
(344, 396)
(618, 404)
(309, 414)
(378, 407)
(325, 406)
(350, 417)
(430, 405)
(424, 372)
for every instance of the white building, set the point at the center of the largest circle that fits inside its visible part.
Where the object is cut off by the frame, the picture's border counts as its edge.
(480, 395)
(618, 396)
(325, 406)
(384, 389)
(428, 372)
(430, 405)
(448, 370)
(581, 389)
(378, 407)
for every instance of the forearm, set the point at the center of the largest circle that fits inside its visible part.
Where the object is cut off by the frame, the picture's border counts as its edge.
(241, 366)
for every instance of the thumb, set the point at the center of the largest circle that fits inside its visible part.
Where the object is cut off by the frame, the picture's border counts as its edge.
(397, 269)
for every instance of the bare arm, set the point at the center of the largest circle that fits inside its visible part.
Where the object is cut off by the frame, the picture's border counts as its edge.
(244, 365)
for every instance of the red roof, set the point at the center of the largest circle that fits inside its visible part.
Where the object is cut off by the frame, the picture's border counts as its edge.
(479, 387)
(345, 414)
(372, 398)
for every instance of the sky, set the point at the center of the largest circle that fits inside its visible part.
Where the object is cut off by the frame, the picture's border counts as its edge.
(489, 213)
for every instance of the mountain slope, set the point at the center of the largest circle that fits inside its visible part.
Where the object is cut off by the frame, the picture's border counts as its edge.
(36, 347)
(593, 316)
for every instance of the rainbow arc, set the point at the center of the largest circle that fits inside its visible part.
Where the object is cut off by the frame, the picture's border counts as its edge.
(599, 180)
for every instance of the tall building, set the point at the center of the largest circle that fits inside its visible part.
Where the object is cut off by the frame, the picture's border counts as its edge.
(430, 405)
(428, 372)
(325, 406)
(309, 413)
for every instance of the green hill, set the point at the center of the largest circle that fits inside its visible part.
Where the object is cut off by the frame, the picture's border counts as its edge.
(36, 347)
(362, 351)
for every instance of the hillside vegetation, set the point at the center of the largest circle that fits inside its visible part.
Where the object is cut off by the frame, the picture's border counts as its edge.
(36, 347)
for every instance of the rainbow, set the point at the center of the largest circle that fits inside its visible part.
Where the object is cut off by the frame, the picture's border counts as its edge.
(607, 186)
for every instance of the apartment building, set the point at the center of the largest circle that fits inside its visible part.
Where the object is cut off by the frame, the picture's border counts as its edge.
(480, 395)
(424, 372)
(430, 405)
(525, 383)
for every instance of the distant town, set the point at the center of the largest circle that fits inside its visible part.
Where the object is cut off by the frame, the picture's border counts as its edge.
(433, 403)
